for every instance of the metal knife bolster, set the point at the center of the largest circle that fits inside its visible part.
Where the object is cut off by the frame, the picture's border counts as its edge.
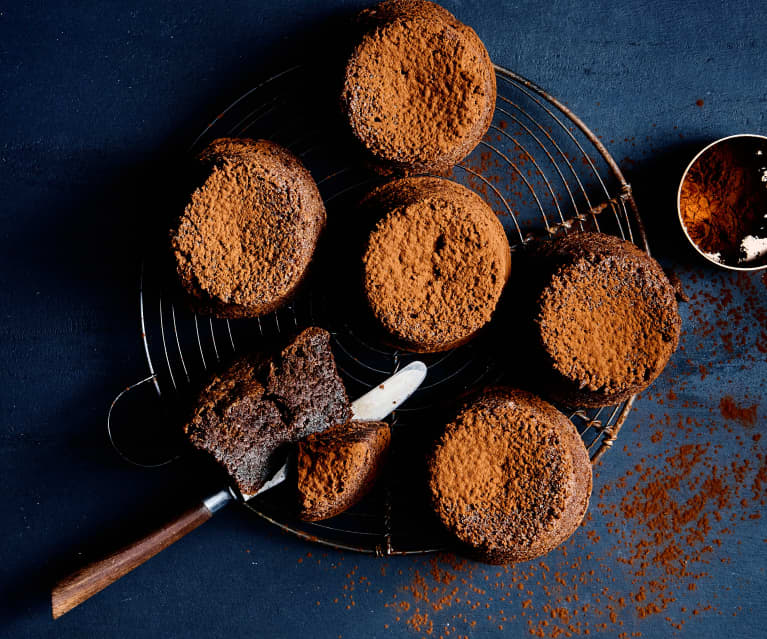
(373, 406)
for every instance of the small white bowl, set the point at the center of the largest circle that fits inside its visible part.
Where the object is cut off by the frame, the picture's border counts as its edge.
(679, 207)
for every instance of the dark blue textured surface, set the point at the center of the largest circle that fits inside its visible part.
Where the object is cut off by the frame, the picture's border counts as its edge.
(93, 98)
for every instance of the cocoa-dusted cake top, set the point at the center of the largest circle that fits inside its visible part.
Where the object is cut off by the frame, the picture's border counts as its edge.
(419, 88)
(500, 470)
(249, 231)
(258, 405)
(339, 466)
(435, 264)
(607, 317)
(510, 477)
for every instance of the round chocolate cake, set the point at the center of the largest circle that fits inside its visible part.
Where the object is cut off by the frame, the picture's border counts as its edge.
(604, 318)
(419, 88)
(510, 478)
(249, 231)
(436, 263)
(338, 467)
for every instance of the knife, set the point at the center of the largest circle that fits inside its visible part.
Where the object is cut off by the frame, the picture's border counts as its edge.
(71, 591)
(373, 406)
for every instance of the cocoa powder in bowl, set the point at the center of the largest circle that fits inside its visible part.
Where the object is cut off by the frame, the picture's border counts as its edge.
(723, 202)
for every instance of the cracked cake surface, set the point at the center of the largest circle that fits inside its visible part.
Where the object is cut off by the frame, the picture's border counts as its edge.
(435, 264)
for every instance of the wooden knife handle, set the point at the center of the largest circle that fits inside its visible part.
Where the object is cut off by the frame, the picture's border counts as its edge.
(86, 582)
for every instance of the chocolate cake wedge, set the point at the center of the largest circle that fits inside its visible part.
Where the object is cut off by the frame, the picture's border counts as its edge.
(338, 467)
(245, 415)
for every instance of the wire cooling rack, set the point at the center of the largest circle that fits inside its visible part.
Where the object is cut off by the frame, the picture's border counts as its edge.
(543, 172)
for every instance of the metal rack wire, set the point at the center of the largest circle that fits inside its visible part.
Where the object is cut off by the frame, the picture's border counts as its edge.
(540, 168)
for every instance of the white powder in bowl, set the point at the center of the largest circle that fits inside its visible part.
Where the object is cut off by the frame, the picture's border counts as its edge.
(752, 248)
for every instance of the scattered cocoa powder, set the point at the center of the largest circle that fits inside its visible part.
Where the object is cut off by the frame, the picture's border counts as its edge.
(666, 517)
(731, 410)
(630, 564)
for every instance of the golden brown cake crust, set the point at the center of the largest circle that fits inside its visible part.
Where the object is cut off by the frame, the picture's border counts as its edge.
(338, 467)
(419, 88)
(248, 233)
(510, 477)
(605, 321)
(436, 263)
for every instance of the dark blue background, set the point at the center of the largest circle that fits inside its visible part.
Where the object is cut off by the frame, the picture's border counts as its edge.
(96, 97)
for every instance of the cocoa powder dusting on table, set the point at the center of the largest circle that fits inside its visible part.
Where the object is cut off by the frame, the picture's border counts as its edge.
(668, 517)
(657, 533)
(731, 410)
